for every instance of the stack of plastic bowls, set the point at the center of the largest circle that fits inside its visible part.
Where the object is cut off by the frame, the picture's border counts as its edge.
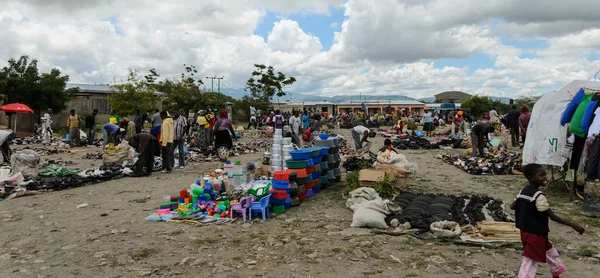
(276, 151)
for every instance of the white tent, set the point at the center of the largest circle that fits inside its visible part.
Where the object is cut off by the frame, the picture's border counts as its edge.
(546, 138)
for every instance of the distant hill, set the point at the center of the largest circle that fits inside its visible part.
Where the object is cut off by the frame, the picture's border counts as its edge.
(239, 93)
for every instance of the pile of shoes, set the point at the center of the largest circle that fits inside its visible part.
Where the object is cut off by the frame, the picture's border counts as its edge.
(420, 210)
(501, 164)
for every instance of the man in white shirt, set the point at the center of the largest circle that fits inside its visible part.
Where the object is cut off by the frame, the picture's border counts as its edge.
(47, 127)
(252, 121)
(295, 125)
(360, 134)
(494, 119)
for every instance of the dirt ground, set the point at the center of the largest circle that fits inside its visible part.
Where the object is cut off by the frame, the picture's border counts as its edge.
(48, 236)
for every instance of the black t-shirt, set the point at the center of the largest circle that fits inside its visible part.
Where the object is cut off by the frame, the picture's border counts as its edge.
(90, 121)
(480, 130)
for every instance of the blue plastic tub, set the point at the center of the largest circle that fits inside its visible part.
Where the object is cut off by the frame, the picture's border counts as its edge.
(324, 151)
(316, 175)
(283, 185)
(276, 202)
(300, 154)
(316, 189)
(324, 136)
(317, 160)
(309, 178)
(310, 162)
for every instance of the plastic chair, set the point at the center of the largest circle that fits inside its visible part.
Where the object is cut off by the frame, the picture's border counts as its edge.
(242, 206)
(261, 206)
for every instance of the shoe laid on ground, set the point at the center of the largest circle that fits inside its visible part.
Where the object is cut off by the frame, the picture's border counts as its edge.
(181, 167)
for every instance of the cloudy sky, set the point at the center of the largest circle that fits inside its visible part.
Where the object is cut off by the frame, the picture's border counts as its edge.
(333, 47)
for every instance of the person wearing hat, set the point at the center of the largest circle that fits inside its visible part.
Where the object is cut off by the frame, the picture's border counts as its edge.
(524, 122)
(73, 123)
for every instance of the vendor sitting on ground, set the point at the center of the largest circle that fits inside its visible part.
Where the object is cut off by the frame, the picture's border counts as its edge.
(360, 134)
(479, 138)
(6, 136)
(145, 144)
(110, 134)
(387, 146)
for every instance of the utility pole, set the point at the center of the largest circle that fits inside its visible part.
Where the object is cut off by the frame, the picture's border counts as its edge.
(212, 83)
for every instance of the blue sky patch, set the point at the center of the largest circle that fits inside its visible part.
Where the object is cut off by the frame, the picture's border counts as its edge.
(318, 25)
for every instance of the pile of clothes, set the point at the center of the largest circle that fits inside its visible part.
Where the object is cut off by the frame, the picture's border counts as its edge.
(355, 163)
(420, 210)
(86, 177)
(501, 164)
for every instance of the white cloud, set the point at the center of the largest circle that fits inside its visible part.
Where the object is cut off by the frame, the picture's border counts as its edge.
(382, 47)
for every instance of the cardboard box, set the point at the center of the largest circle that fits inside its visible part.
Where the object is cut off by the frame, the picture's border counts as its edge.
(369, 177)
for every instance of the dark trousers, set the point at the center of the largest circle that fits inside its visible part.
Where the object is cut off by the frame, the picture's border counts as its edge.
(145, 163)
(514, 135)
(593, 160)
(252, 122)
(6, 153)
(164, 151)
(578, 147)
(138, 129)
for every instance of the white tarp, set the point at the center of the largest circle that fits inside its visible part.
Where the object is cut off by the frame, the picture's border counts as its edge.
(546, 138)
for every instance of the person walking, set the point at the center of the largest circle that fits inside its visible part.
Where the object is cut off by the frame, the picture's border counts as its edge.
(512, 120)
(166, 139)
(428, 123)
(524, 122)
(90, 125)
(532, 215)
(145, 144)
(202, 126)
(47, 127)
(252, 121)
(139, 121)
(278, 120)
(73, 123)
(179, 133)
(156, 120)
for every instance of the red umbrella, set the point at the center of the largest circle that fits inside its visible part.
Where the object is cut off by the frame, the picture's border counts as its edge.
(16, 108)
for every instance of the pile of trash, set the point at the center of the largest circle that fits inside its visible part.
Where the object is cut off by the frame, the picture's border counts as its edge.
(503, 163)
(93, 155)
(421, 210)
(46, 151)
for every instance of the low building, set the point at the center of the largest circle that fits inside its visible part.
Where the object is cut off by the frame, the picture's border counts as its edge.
(373, 107)
(318, 106)
(452, 97)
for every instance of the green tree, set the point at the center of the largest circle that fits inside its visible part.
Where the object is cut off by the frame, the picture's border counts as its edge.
(501, 107)
(20, 81)
(529, 101)
(477, 105)
(265, 84)
(134, 94)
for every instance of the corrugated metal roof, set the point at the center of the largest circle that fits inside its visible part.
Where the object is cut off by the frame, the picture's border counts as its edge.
(97, 88)
(92, 88)
(382, 103)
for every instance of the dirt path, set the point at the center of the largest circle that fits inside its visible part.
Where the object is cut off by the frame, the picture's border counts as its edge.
(48, 236)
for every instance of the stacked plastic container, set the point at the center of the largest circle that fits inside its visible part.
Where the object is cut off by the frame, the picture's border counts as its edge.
(280, 192)
(331, 161)
(298, 165)
(286, 148)
(276, 151)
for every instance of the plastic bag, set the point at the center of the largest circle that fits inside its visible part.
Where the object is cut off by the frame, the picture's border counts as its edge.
(26, 162)
(420, 133)
(445, 229)
(68, 138)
